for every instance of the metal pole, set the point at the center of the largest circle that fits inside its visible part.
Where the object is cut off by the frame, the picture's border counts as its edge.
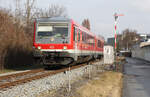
(89, 71)
(115, 34)
(116, 17)
(115, 43)
(69, 81)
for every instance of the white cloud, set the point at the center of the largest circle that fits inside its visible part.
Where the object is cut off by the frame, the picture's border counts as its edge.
(143, 5)
(104, 29)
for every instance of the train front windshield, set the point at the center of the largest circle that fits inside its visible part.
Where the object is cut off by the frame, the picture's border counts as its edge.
(52, 33)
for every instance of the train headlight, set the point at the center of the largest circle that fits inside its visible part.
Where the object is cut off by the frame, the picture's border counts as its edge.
(39, 47)
(65, 47)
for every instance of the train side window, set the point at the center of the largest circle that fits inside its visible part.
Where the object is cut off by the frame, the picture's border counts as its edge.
(90, 40)
(93, 41)
(86, 36)
(87, 39)
(74, 31)
(78, 34)
(83, 36)
(99, 43)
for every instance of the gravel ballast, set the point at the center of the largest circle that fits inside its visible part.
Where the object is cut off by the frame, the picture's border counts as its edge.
(32, 89)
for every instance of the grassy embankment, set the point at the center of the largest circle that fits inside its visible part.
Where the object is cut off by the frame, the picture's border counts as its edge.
(21, 68)
(108, 84)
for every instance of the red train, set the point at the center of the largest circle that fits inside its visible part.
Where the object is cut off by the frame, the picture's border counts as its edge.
(60, 41)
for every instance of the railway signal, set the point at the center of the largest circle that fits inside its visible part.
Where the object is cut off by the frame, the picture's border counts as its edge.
(116, 17)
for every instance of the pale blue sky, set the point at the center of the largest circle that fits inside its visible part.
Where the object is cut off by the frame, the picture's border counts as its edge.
(100, 13)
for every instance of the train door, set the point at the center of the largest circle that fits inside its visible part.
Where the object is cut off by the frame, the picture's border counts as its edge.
(79, 42)
(81, 33)
(75, 43)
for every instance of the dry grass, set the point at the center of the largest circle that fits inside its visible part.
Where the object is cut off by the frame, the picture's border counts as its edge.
(6, 70)
(22, 68)
(108, 84)
(120, 58)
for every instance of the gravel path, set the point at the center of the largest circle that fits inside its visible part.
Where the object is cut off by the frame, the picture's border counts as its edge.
(32, 89)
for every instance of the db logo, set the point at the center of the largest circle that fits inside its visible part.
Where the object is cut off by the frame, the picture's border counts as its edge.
(51, 47)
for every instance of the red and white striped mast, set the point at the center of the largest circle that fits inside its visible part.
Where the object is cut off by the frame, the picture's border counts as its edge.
(116, 17)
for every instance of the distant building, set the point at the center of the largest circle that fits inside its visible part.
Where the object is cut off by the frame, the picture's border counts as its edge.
(145, 37)
(111, 41)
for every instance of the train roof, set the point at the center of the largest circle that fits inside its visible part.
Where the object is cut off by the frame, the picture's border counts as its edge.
(53, 19)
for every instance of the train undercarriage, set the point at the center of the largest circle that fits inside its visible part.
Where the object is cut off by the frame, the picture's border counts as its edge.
(52, 59)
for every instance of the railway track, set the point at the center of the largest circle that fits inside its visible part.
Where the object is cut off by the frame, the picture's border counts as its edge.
(9, 81)
(20, 74)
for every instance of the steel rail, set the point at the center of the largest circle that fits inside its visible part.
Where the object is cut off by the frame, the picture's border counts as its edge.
(20, 74)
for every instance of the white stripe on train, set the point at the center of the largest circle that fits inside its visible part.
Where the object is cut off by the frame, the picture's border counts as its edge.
(71, 51)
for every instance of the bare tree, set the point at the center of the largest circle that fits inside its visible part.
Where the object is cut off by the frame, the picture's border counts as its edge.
(127, 39)
(6, 27)
(29, 7)
(29, 15)
(13, 39)
(53, 11)
(86, 23)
